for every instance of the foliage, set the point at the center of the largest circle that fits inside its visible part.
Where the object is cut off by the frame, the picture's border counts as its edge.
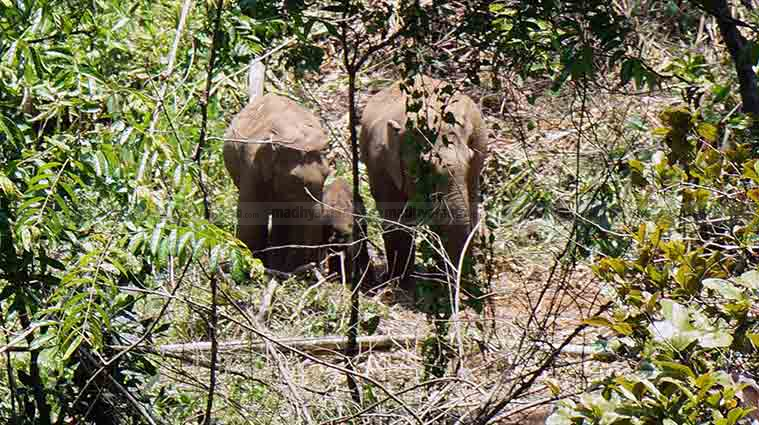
(96, 207)
(685, 293)
(572, 40)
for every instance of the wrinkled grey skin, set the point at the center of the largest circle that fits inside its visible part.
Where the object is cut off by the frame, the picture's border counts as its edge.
(457, 166)
(274, 150)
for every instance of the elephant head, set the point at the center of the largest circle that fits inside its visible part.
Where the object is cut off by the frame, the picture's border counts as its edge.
(338, 220)
(442, 181)
(338, 211)
(427, 157)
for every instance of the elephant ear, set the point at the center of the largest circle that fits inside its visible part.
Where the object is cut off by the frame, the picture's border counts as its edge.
(395, 166)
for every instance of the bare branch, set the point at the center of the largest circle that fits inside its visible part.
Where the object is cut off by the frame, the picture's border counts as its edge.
(170, 66)
(328, 345)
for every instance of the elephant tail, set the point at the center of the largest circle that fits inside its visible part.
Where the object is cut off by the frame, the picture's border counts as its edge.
(256, 76)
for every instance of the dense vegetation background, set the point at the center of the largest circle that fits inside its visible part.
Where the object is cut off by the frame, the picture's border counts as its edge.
(616, 269)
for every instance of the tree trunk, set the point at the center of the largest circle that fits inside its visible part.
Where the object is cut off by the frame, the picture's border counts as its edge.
(736, 45)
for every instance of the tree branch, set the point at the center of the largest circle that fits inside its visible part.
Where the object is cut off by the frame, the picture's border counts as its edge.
(321, 345)
(214, 319)
(736, 46)
(170, 66)
(352, 348)
(487, 414)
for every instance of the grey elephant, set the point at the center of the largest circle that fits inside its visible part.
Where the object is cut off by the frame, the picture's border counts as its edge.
(338, 223)
(274, 151)
(396, 154)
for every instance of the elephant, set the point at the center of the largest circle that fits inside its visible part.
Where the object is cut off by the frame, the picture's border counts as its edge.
(396, 151)
(274, 151)
(337, 219)
(338, 211)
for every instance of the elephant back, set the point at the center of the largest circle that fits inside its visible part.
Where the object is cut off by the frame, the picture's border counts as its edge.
(390, 105)
(279, 120)
(273, 132)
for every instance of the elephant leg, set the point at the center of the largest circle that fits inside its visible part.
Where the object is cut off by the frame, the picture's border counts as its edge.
(279, 249)
(253, 218)
(473, 181)
(454, 237)
(357, 254)
(299, 233)
(473, 190)
(310, 233)
(400, 252)
(340, 258)
(399, 241)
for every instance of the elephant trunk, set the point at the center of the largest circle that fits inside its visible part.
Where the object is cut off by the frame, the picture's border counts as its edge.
(459, 220)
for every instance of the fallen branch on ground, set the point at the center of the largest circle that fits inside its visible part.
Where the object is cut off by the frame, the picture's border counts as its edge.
(322, 345)
(266, 301)
(286, 275)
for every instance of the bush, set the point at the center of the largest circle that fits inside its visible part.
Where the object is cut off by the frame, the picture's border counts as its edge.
(684, 298)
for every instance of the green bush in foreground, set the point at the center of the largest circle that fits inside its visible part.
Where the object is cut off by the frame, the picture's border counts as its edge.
(684, 298)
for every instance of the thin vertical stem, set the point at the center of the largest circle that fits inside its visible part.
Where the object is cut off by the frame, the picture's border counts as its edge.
(206, 210)
(350, 67)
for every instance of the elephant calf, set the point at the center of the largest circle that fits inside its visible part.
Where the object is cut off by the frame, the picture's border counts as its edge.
(338, 211)
(337, 217)
(397, 155)
(338, 229)
(274, 150)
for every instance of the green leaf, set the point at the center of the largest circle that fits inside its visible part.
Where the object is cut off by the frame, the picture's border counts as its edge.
(676, 313)
(178, 173)
(213, 261)
(182, 243)
(172, 242)
(7, 187)
(553, 386)
(163, 250)
(716, 339)
(198, 245)
(749, 279)
(720, 92)
(735, 415)
(73, 346)
(156, 238)
(708, 131)
(41, 341)
(724, 288)
(676, 328)
(753, 194)
(135, 242)
(11, 130)
(754, 338)
(623, 328)
(675, 369)
(598, 322)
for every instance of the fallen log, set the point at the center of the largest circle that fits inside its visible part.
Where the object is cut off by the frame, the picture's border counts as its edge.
(322, 345)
